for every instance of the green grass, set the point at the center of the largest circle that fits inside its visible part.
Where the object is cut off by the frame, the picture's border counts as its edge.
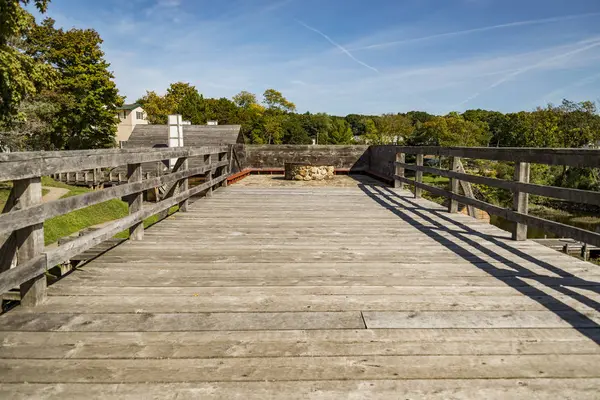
(65, 225)
(68, 224)
(436, 180)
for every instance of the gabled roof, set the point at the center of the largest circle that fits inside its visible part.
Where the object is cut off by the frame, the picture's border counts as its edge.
(193, 135)
(129, 107)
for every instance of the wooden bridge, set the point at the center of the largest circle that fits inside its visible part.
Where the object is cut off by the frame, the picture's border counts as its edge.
(257, 292)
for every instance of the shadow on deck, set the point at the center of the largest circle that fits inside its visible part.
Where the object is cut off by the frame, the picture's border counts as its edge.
(402, 204)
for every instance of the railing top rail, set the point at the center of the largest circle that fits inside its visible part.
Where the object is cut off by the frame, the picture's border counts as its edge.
(549, 156)
(25, 165)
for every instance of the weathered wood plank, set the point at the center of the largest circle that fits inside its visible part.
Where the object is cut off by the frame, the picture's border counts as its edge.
(300, 368)
(436, 389)
(106, 304)
(28, 165)
(572, 157)
(160, 322)
(479, 319)
(278, 343)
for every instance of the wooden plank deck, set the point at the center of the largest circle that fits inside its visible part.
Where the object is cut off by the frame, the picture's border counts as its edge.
(331, 292)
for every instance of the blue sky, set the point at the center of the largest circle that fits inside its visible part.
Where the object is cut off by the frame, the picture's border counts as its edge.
(353, 56)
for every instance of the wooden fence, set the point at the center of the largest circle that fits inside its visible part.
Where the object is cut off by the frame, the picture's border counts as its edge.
(520, 186)
(21, 222)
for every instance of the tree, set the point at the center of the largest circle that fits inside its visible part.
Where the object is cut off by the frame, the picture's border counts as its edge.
(274, 100)
(317, 126)
(192, 108)
(340, 132)
(222, 110)
(371, 135)
(451, 130)
(245, 99)
(419, 117)
(20, 74)
(157, 108)
(85, 91)
(293, 133)
(393, 128)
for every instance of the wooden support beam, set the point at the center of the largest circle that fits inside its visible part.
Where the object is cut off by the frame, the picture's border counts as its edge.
(135, 201)
(467, 190)
(184, 186)
(521, 200)
(222, 171)
(454, 184)
(209, 173)
(400, 158)
(419, 176)
(30, 241)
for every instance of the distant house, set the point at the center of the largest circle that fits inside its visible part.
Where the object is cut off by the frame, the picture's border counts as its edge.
(130, 115)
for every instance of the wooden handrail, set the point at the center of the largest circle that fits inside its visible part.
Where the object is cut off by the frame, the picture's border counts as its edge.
(24, 216)
(572, 157)
(520, 186)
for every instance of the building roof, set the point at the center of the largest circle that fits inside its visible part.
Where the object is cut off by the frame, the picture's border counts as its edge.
(193, 135)
(129, 106)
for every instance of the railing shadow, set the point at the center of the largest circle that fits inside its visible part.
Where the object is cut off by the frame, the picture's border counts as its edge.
(400, 205)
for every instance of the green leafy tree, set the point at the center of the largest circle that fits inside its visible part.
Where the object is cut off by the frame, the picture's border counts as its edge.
(192, 108)
(158, 108)
(293, 132)
(85, 92)
(222, 110)
(20, 74)
(245, 99)
(340, 132)
(274, 100)
(451, 130)
(356, 124)
(393, 128)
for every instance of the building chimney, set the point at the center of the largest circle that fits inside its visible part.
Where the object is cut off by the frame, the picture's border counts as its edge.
(175, 134)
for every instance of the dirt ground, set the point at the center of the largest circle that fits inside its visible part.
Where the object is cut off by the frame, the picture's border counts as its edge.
(279, 181)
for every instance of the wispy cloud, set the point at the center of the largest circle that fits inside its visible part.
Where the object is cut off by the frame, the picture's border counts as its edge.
(590, 44)
(549, 97)
(342, 48)
(476, 30)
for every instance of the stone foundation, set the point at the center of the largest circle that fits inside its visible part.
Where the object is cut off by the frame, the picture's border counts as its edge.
(306, 172)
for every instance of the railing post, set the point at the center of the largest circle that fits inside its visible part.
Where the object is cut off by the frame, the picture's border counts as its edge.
(223, 170)
(30, 240)
(184, 186)
(209, 173)
(419, 176)
(400, 158)
(454, 184)
(135, 201)
(521, 200)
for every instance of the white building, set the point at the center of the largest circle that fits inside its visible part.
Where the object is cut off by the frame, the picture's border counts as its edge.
(130, 115)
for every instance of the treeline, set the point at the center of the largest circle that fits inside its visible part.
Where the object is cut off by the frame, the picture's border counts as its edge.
(273, 120)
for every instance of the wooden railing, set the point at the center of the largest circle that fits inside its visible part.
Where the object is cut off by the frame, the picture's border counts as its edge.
(21, 222)
(520, 186)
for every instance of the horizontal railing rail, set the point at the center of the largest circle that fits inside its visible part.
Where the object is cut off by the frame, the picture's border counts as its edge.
(520, 186)
(21, 223)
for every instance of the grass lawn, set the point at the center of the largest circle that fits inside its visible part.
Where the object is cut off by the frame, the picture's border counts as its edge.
(65, 225)
(68, 224)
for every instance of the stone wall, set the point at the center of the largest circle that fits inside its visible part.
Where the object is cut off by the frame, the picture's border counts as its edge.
(305, 172)
(353, 158)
